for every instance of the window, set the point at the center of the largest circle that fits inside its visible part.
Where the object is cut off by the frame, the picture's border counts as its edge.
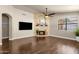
(67, 24)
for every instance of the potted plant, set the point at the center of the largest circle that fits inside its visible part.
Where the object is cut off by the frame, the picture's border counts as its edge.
(77, 33)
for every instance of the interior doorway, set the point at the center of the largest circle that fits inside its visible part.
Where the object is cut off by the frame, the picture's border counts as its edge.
(6, 33)
(5, 26)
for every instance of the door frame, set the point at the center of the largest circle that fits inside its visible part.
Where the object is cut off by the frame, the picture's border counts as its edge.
(10, 25)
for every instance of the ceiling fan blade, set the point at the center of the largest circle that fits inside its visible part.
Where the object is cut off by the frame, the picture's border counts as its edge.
(51, 14)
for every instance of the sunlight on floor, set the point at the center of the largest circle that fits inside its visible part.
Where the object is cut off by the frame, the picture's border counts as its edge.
(66, 49)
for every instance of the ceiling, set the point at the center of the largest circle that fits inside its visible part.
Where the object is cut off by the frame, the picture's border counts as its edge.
(51, 8)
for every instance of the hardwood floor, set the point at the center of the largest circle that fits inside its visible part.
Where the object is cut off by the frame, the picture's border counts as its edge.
(40, 45)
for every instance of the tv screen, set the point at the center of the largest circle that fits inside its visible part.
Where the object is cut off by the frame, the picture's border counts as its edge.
(25, 26)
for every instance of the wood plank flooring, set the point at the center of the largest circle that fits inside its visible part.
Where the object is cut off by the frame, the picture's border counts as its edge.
(40, 45)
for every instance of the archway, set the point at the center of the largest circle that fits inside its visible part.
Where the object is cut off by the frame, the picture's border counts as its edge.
(6, 32)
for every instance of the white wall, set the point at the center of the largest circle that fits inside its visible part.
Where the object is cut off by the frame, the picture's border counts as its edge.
(54, 25)
(17, 15)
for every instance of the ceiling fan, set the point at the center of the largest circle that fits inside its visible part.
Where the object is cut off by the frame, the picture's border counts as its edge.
(46, 13)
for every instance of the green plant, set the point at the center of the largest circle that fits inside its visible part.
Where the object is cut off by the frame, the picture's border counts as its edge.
(77, 32)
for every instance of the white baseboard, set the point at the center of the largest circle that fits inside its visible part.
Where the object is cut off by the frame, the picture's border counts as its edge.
(17, 38)
(21, 37)
(63, 37)
(45, 35)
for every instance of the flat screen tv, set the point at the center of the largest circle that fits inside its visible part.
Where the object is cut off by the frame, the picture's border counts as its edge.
(25, 26)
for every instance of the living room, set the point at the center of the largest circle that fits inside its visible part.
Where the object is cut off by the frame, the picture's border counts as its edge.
(29, 26)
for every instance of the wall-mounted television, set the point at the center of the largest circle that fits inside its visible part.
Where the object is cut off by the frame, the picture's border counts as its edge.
(25, 26)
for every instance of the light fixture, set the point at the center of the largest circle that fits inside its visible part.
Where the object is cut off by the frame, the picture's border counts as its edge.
(45, 17)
